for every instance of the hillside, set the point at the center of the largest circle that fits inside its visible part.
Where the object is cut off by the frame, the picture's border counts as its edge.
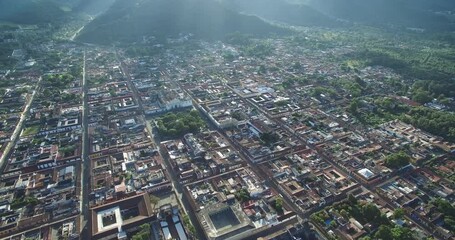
(92, 7)
(30, 11)
(431, 15)
(207, 19)
(48, 11)
(283, 11)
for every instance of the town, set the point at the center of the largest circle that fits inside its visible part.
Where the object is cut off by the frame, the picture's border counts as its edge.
(201, 141)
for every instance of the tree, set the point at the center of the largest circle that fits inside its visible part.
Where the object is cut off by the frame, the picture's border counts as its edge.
(154, 200)
(262, 69)
(402, 233)
(397, 160)
(448, 210)
(371, 212)
(269, 138)
(188, 225)
(383, 233)
(344, 213)
(333, 224)
(279, 205)
(179, 124)
(352, 200)
(297, 66)
(229, 57)
(398, 213)
(243, 195)
(422, 96)
(354, 106)
(144, 232)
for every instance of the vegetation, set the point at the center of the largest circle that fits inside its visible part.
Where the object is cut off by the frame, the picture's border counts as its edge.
(24, 201)
(362, 212)
(243, 195)
(58, 81)
(282, 11)
(67, 149)
(143, 50)
(317, 91)
(424, 91)
(30, 11)
(239, 39)
(5, 52)
(144, 232)
(188, 225)
(269, 139)
(130, 20)
(278, 205)
(435, 122)
(238, 116)
(31, 130)
(386, 109)
(397, 160)
(398, 213)
(178, 124)
(154, 200)
(387, 13)
(365, 213)
(448, 210)
(258, 49)
(394, 233)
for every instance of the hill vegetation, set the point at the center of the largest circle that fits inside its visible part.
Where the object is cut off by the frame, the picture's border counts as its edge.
(282, 11)
(48, 11)
(128, 21)
(30, 11)
(431, 15)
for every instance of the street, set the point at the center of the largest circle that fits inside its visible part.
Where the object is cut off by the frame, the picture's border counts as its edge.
(178, 187)
(85, 224)
(19, 126)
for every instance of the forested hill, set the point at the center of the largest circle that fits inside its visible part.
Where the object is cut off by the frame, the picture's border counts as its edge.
(432, 15)
(283, 11)
(206, 19)
(30, 11)
(48, 11)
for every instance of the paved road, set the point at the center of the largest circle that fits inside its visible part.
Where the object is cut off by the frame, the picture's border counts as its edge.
(85, 226)
(175, 180)
(20, 234)
(17, 131)
(334, 164)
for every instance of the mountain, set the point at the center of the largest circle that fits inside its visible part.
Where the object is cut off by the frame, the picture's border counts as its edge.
(129, 20)
(48, 11)
(433, 15)
(92, 7)
(289, 12)
(30, 11)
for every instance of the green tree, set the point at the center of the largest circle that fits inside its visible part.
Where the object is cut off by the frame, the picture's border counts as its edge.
(371, 212)
(398, 213)
(243, 195)
(188, 225)
(279, 205)
(154, 200)
(333, 224)
(269, 138)
(144, 232)
(397, 160)
(421, 96)
(352, 200)
(344, 213)
(402, 233)
(383, 233)
(354, 106)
